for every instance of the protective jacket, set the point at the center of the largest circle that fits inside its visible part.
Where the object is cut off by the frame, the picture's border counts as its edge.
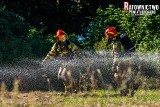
(62, 50)
(125, 41)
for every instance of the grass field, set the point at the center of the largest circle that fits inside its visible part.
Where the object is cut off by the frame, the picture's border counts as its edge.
(98, 98)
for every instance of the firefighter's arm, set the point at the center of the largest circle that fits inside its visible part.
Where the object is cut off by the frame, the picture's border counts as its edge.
(52, 53)
(77, 51)
(74, 48)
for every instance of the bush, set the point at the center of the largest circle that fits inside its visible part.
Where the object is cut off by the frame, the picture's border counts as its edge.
(13, 31)
(143, 30)
(18, 39)
(12, 25)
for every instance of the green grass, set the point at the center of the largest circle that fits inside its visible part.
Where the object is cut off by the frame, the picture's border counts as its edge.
(98, 98)
(112, 98)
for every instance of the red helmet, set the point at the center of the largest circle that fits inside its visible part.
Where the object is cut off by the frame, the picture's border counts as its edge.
(60, 33)
(111, 32)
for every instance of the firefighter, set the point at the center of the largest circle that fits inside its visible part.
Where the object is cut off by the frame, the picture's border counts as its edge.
(63, 48)
(117, 41)
(119, 67)
(113, 35)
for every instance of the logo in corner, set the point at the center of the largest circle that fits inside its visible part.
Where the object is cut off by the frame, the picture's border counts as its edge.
(138, 10)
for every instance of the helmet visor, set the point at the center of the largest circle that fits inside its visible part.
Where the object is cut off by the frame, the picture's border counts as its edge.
(62, 38)
(110, 34)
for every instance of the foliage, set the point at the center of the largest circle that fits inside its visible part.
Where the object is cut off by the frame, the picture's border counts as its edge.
(11, 25)
(19, 39)
(143, 30)
(13, 31)
(149, 36)
(31, 26)
(70, 15)
(39, 43)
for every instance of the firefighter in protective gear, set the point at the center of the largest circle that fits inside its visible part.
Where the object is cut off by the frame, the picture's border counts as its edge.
(117, 41)
(63, 48)
(113, 35)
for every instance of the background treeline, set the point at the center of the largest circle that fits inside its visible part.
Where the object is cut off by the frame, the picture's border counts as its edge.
(27, 28)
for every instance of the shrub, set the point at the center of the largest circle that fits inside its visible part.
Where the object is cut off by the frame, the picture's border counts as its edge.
(143, 30)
